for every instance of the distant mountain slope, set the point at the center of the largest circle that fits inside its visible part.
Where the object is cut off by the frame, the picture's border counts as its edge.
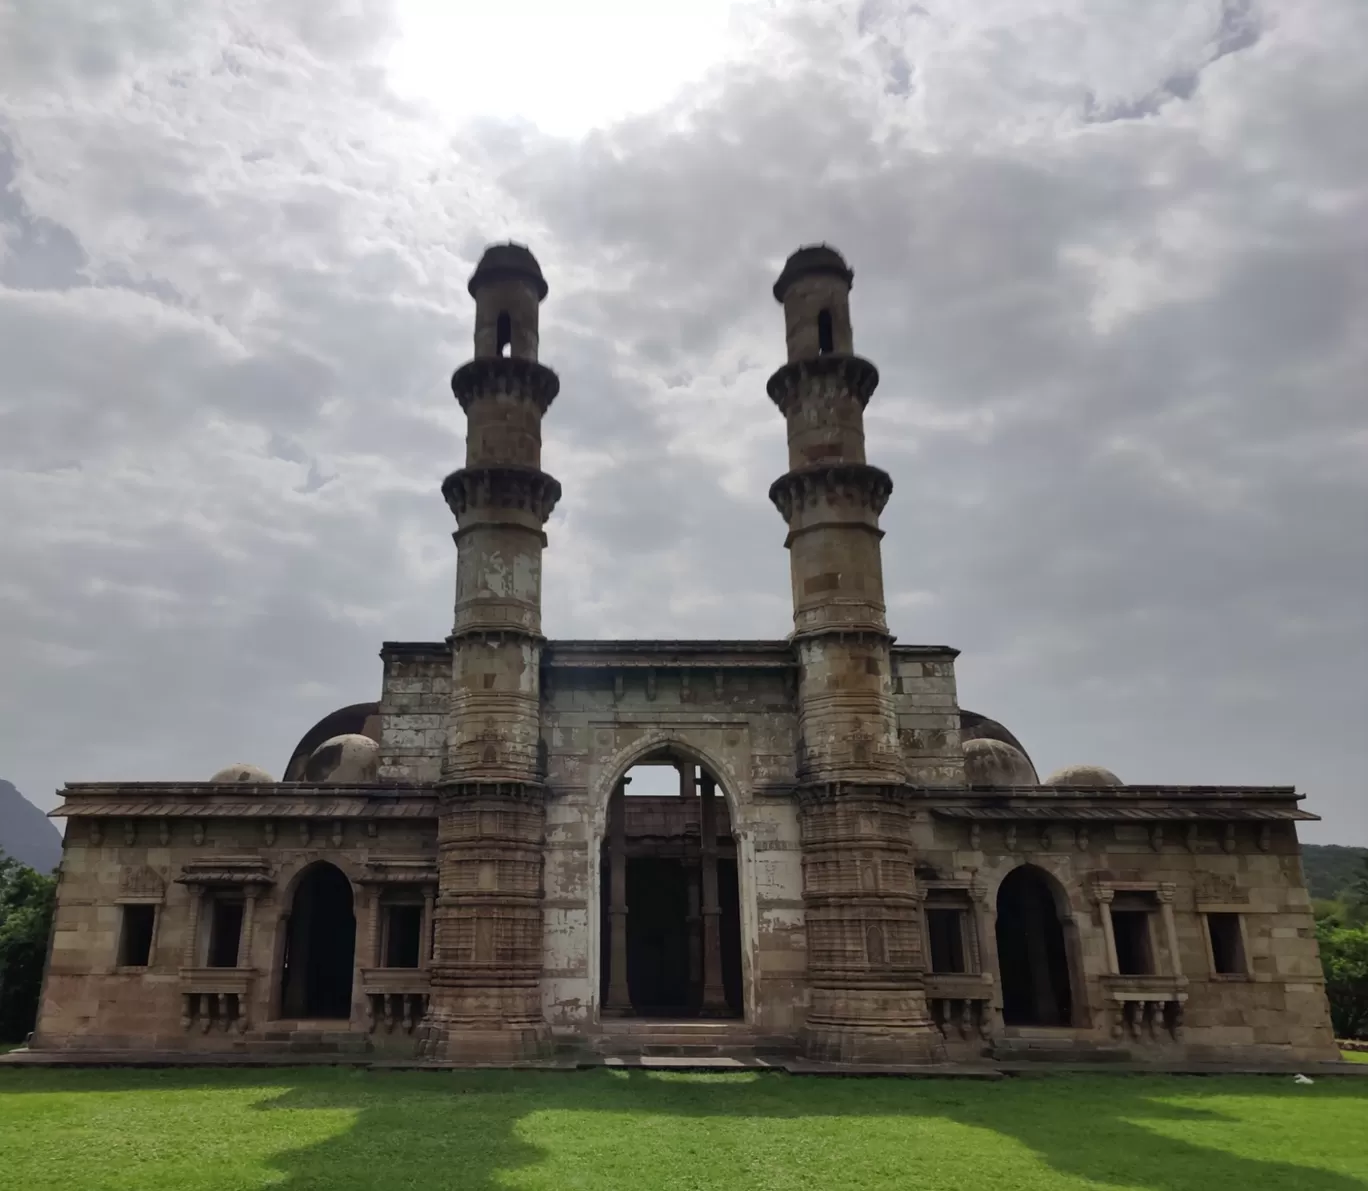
(1330, 868)
(26, 833)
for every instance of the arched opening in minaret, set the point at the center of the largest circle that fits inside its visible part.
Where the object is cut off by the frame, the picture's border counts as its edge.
(670, 924)
(320, 946)
(826, 342)
(1033, 955)
(503, 334)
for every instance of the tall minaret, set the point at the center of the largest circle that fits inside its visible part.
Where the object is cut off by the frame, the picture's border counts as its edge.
(865, 956)
(486, 971)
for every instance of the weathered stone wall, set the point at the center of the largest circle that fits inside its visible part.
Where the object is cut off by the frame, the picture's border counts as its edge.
(927, 705)
(1277, 1011)
(741, 725)
(89, 1001)
(415, 694)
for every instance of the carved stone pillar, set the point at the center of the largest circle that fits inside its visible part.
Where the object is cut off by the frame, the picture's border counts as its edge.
(190, 949)
(619, 1003)
(714, 994)
(425, 939)
(1166, 892)
(1104, 897)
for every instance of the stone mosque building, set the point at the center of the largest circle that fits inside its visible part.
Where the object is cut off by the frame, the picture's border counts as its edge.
(855, 869)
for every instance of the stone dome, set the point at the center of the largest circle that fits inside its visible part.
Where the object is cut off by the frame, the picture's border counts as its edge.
(502, 261)
(350, 760)
(242, 772)
(361, 719)
(1083, 777)
(989, 762)
(812, 258)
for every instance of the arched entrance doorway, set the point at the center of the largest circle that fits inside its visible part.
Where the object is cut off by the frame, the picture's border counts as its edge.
(320, 946)
(1033, 956)
(670, 924)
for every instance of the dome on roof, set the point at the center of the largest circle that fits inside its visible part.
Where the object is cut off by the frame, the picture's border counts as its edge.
(242, 772)
(350, 760)
(979, 727)
(363, 719)
(1083, 777)
(812, 258)
(508, 260)
(990, 762)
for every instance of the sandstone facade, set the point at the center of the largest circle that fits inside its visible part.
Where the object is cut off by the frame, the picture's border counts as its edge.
(459, 871)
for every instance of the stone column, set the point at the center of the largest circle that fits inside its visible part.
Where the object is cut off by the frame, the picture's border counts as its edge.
(1166, 892)
(688, 787)
(1104, 903)
(714, 994)
(619, 1003)
(491, 824)
(694, 868)
(190, 950)
(866, 963)
(371, 935)
(425, 939)
(244, 954)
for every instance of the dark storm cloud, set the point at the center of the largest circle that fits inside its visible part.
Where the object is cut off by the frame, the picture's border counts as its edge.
(1122, 370)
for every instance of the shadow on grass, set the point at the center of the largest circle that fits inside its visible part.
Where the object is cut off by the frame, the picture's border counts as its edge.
(462, 1129)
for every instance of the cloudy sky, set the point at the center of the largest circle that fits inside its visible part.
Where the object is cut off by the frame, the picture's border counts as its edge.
(1111, 259)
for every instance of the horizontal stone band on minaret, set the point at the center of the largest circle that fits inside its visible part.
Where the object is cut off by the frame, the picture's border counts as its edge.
(512, 376)
(857, 485)
(521, 489)
(850, 374)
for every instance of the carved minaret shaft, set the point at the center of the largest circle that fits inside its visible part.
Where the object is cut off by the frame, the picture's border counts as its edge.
(865, 957)
(486, 996)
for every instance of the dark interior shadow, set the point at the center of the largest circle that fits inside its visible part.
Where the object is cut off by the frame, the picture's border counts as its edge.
(461, 1129)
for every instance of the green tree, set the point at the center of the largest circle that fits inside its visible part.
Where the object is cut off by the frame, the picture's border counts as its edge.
(1344, 955)
(26, 904)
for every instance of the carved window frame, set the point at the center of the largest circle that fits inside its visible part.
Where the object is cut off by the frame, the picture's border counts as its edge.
(965, 897)
(1103, 895)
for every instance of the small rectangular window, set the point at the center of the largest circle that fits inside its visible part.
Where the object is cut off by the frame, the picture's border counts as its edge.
(1131, 929)
(135, 936)
(403, 931)
(945, 928)
(225, 933)
(1227, 944)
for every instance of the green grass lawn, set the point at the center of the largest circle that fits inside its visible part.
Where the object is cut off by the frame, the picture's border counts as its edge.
(608, 1130)
(1355, 1056)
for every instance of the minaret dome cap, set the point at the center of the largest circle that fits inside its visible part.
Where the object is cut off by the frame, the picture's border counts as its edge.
(502, 261)
(812, 258)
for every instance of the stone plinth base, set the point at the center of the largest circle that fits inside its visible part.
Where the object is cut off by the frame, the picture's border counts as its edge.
(508, 1044)
(863, 1046)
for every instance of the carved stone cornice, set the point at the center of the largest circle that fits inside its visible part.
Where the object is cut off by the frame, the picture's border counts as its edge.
(859, 484)
(852, 374)
(477, 790)
(505, 376)
(523, 488)
(823, 793)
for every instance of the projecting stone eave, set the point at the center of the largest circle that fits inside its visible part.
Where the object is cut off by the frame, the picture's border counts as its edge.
(256, 800)
(596, 652)
(1147, 803)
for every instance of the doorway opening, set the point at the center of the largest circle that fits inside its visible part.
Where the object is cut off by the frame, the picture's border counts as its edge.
(1032, 953)
(320, 946)
(670, 923)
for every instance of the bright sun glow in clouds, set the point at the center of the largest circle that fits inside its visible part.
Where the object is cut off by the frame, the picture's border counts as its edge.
(566, 67)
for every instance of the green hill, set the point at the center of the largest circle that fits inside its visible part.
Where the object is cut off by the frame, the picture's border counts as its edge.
(1330, 868)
